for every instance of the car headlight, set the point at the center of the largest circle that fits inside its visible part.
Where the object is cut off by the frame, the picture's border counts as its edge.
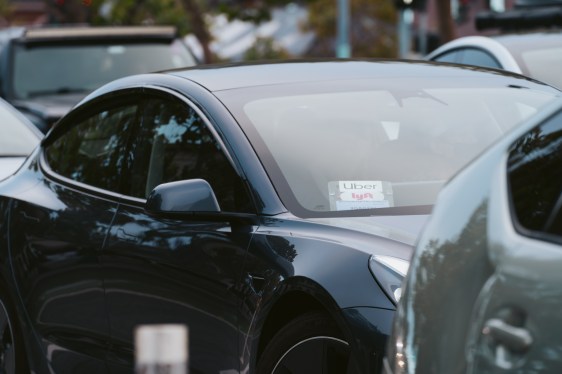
(389, 272)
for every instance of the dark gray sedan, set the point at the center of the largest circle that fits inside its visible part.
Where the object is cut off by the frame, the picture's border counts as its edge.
(272, 208)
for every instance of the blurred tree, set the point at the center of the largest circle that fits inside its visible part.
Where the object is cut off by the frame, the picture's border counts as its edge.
(187, 15)
(266, 49)
(249, 10)
(372, 28)
(5, 12)
(445, 21)
(71, 11)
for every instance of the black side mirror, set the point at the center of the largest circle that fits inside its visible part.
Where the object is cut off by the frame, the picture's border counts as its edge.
(186, 196)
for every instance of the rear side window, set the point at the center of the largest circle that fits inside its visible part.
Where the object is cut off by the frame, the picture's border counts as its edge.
(477, 57)
(452, 57)
(535, 177)
(93, 151)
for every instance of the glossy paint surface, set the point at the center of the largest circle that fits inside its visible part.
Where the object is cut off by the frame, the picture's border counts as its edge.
(473, 275)
(86, 265)
(57, 274)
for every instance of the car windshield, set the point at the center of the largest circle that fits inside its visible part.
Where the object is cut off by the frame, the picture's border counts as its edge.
(17, 139)
(55, 69)
(335, 148)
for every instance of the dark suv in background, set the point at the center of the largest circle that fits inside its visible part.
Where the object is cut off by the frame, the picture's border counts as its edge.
(46, 71)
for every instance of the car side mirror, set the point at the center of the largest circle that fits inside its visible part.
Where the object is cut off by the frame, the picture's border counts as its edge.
(186, 196)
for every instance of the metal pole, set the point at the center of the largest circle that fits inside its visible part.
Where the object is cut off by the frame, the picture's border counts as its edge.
(161, 349)
(405, 19)
(422, 32)
(343, 47)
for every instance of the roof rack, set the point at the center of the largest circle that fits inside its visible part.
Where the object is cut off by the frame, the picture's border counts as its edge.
(525, 16)
(49, 33)
(536, 3)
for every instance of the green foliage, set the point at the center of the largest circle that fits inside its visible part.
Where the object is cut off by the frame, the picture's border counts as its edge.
(5, 8)
(372, 27)
(255, 11)
(152, 12)
(265, 49)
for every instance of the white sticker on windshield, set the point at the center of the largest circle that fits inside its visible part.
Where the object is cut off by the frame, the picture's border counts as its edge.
(116, 49)
(354, 195)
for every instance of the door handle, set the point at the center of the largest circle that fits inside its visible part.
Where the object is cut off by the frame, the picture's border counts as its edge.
(516, 339)
(29, 217)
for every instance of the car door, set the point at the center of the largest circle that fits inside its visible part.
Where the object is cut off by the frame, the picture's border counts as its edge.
(166, 269)
(58, 228)
(517, 324)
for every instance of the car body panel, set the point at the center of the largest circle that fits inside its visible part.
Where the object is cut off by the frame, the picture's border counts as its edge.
(313, 70)
(59, 280)
(175, 271)
(472, 263)
(9, 165)
(237, 276)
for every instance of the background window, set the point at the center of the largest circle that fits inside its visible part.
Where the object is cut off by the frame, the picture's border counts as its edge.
(93, 151)
(452, 57)
(476, 57)
(175, 144)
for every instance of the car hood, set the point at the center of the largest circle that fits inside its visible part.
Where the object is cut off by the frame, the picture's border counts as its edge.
(8, 165)
(403, 228)
(50, 107)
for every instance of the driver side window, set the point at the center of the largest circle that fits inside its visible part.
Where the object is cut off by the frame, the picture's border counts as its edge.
(174, 143)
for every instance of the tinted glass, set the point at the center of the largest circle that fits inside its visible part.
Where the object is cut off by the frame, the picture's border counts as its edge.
(93, 151)
(17, 139)
(175, 144)
(452, 57)
(83, 68)
(374, 144)
(535, 174)
(477, 57)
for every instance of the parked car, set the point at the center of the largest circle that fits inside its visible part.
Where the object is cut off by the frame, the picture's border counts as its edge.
(45, 71)
(18, 139)
(270, 207)
(529, 41)
(483, 290)
(537, 55)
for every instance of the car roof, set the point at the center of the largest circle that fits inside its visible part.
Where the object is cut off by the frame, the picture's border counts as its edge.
(73, 32)
(231, 76)
(535, 39)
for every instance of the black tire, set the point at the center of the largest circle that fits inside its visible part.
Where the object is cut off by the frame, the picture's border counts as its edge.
(309, 344)
(12, 352)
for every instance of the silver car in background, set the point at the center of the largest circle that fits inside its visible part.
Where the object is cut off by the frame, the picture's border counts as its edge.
(18, 137)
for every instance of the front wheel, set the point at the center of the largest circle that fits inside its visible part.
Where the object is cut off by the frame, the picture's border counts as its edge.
(12, 356)
(309, 344)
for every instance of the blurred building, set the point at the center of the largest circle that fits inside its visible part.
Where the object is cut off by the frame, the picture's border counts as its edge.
(25, 12)
(463, 13)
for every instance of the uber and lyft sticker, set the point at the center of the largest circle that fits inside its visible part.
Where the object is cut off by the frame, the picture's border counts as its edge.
(353, 195)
